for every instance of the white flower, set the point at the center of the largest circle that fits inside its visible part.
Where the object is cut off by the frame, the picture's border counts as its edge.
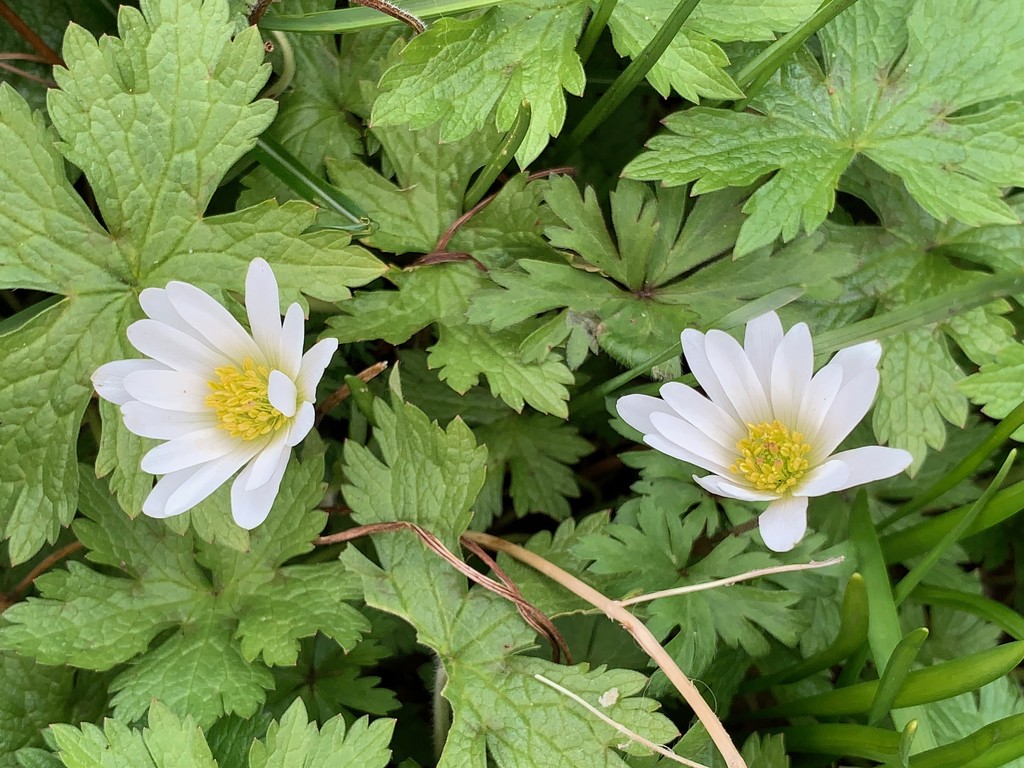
(769, 424)
(221, 398)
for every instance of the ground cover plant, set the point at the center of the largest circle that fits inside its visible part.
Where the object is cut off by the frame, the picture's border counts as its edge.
(514, 383)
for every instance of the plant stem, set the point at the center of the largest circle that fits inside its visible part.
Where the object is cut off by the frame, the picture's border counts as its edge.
(636, 628)
(1013, 421)
(501, 157)
(628, 80)
(47, 53)
(353, 19)
(757, 72)
(595, 27)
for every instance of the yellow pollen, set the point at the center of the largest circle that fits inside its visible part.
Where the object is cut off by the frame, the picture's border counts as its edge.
(241, 401)
(772, 457)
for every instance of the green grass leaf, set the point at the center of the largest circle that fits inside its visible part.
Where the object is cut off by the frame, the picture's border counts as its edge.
(898, 76)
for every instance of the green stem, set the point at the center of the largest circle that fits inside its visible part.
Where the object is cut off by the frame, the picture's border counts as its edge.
(501, 157)
(753, 76)
(1013, 421)
(952, 536)
(283, 164)
(934, 310)
(353, 19)
(628, 80)
(595, 27)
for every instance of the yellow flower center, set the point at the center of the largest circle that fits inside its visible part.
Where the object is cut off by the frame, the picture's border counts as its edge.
(240, 399)
(772, 457)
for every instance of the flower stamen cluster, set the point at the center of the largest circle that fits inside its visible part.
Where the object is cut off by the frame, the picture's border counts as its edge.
(771, 457)
(240, 399)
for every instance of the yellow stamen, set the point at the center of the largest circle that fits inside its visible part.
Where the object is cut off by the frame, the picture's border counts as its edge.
(241, 401)
(772, 457)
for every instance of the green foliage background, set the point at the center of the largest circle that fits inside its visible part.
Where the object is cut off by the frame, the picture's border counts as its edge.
(518, 209)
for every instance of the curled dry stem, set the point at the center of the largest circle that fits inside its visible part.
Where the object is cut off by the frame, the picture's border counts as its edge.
(530, 613)
(636, 628)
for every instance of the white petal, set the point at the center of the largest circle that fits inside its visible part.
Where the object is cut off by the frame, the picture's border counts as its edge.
(193, 448)
(850, 406)
(720, 486)
(685, 435)
(250, 508)
(818, 398)
(289, 354)
(109, 378)
(312, 367)
(872, 462)
(857, 359)
(157, 306)
(171, 390)
(659, 443)
(760, 340)
(791, 373)
(737, 377)
(636, 410)
(214, 323)
(301, 424)
(703, 414)
(207, 479)
(173, 348)
(261, 468)
(281, 393)
(695, 352)
(825, 478)
(262, 305)
(784, 523)
(155, 504)
(147, 421)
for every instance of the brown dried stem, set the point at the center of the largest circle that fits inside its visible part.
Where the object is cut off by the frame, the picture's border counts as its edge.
(46, 53)
(636, 628)
(41, 567)
(532, 615)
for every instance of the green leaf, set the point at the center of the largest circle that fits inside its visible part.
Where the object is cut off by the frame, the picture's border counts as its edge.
(331, 681)
(31, 697)
(807, 125)
(694, 65)
(657, 553)
(295, 741)
(667, 272)
(499, 708)
(537, 453)
(911, 257)
(312, 121)
(461, 71)
(196, 597)
(997, 385)
(154, 119)
(170, 742)
(464, 352)
(431, 176)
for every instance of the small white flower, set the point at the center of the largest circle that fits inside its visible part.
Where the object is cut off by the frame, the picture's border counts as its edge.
(221, 398)
(769, 424)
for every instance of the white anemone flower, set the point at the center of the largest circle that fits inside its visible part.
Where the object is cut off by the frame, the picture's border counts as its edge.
(222, 399)
(769, 425)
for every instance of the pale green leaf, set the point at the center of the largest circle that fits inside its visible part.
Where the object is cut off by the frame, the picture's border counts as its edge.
(541, 384)
(537, 454)
(806, 126)
(462, 71)
(154, 119)
(294, 742)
